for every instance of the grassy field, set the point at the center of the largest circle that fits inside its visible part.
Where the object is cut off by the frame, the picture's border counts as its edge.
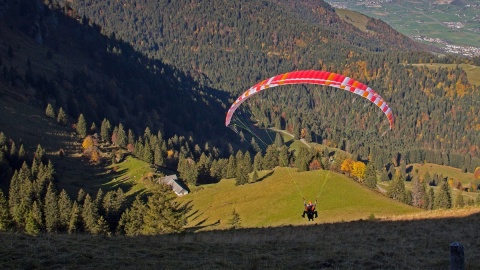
(277, 200)
(415, 241)
(356, 19)
(473, 72)
(413, 17)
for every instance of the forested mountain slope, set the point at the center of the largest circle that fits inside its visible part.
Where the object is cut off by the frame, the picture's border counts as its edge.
(231, 45)
(214, 47)
(47, 57)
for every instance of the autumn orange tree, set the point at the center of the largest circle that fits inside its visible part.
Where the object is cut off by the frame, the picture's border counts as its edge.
(346, 166)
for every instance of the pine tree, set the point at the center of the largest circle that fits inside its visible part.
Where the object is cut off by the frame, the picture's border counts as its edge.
(90, 216)
(62, 117)
(161, 214)
(82, 126)
(51, 210)
(50, 112)
(159, 156)
(65, 209)
(430, 198)
(427, 178)
(235, 221)
(371, 176)
(254, 176)
(147, 154)
(443, 197)
(419, 194)
(231, 167)
(258, 162)
(278, 140)
(255, 145)
(303, 159)
(33, 223)
(113, 205)
(131, 222)
(122, 137)
(105, 130)
(5, 218)
(3, 140)
(242, 172)
(81, 196)
(397, 190)
(459, 201)
(75, 224)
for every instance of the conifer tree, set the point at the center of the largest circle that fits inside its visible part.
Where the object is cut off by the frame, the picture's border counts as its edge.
(235, 221)
(427, 178)
(242, 173)
(81, 196)
(113, 205)
(255, 145)
(82, 126)
(258, 162)
(3, 139)
(122, 137)
(430, 198)
(49, 111)
(396, 190)
(188, 171)
(5, 218)
(459, 201)
(254, 176)
(33, 223)
(105, 130)
(231, 167)
(371, 176)
(65, 210)
(159, 156)
(419, 194)
(270, 160)
(90, 216)
(283, 157)
(75, 223)
(62, 117)
(147, 154)
(131, 222)
(302, 160)
(161, 214)
(278, 140)
(51, 210)
(443, 197)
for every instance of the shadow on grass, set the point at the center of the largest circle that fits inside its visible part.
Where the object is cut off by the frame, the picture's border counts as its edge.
(265, 176)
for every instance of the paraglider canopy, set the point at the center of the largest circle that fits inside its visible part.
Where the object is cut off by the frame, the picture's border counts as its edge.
(315, 77)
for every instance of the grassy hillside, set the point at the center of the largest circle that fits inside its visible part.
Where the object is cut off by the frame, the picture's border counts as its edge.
(356, 19)
(277, 200)
(473, 72)
(419, 241)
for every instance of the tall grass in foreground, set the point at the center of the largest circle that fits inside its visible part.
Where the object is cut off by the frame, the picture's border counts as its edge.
(411, 242)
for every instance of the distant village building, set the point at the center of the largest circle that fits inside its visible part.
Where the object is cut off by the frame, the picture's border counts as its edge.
(177, 185)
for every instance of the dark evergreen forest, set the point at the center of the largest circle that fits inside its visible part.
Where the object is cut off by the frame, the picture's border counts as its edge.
(231, 45)
(170, 69)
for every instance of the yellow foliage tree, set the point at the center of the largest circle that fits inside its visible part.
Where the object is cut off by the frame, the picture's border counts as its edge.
(87, 142)
(95, 157)
(347, 166)
(358, 170)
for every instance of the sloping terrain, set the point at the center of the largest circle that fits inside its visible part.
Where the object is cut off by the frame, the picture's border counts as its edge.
(412, 242)
(278, 200)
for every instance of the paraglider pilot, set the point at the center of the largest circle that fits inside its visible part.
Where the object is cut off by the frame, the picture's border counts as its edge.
(310, 209)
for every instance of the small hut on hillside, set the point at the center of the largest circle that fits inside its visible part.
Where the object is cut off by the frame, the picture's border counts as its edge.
(177, 186)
